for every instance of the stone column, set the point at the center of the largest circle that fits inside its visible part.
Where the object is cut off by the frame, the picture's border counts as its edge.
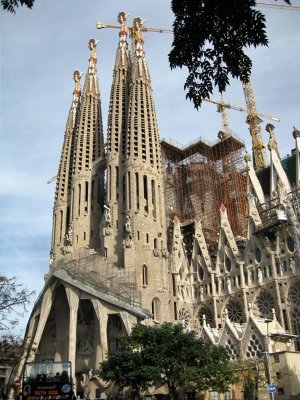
(102, 316)
(44, 313)
(73, 300)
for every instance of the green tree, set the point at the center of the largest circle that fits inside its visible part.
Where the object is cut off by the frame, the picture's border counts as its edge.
(12, 5)
(167, 354)
(209, 39)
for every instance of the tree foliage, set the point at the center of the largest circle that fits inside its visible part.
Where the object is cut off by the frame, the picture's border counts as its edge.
(209, 39)
(167, 354)
(12, 297)
(12, 5)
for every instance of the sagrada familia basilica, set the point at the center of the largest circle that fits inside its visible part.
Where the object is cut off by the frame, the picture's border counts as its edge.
(145, 230)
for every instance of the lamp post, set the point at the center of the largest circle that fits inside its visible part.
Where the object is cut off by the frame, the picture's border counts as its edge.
(271, 393)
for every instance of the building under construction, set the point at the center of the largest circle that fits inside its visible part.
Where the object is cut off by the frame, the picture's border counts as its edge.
(201, 176)
(149, 231)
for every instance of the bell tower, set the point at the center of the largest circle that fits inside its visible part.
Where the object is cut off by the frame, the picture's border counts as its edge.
(137, 181)
(80, 183)
(112, 230)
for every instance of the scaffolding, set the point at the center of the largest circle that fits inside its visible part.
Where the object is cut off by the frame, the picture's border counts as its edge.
(200, 177)
(97, 272)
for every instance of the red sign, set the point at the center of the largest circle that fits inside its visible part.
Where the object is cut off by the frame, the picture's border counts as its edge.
(17, 383)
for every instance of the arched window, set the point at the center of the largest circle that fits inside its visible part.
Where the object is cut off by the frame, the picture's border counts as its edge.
(145, 275)
(156, 309)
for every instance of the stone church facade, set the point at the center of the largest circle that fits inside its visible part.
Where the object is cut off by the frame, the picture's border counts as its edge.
(142, 234)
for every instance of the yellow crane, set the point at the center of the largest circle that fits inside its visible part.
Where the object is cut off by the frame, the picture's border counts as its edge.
(254, 121)
(103, 25)
(221, 104)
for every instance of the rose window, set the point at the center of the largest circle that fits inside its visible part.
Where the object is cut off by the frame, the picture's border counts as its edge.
(184, 317)
(295, 295)
(235, 311)
(265, 303)
(208, 315)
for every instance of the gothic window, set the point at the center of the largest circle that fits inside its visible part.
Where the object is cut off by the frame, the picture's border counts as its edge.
(61, 225)
(156, 309)
(278, 269)
(254, 348)
(227, 263)
(129, 189)
(265, 303)
(258, 254)
(232, 349)
(145, 183)
(284, 265)
(235, 311)
(86, 197)
(79, 198)
(137, 190)
(201, 273)
(145, 275)
(290, 244)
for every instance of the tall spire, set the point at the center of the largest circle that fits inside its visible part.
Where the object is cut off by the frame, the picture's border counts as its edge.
(61, 211)
(87, 183)
(80, 184)
(116, 139)
(144, 227)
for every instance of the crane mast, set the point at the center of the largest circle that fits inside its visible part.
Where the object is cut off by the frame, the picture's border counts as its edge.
(258, 146)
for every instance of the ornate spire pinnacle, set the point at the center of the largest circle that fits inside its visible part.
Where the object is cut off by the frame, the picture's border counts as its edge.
(93, 56)
(77, 92)
(272, 145)
(296, 132)
(122, 17)
(139, 38)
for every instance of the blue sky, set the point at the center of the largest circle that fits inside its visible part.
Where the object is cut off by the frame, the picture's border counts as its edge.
(40, 49)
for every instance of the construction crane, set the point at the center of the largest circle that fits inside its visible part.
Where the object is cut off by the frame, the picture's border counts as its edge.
(52, 179)
(254, 120)
(278, 6)
(103, 25)
(258, 147)
(221, 105)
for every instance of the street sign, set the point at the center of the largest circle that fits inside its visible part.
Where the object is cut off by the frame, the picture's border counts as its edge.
(17, 383)
(272, 389)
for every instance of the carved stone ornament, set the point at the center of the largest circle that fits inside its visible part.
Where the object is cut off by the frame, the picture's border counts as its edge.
(93, 56)
(139, 38)
(122, 17)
